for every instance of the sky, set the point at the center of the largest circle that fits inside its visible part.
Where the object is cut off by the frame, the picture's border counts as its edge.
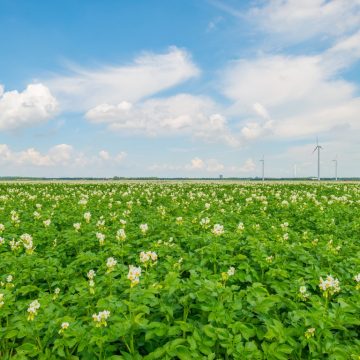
(175, 88)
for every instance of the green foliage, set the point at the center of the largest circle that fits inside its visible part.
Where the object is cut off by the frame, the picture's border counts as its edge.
(204, 292)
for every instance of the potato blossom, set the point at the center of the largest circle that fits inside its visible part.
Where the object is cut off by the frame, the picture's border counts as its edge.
(329, 286)
(100, 318)
(32, 309)
(134, 275)
(218, 230)
(110, 264)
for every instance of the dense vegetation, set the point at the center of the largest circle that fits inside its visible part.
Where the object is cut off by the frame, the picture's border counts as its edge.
(179, 271)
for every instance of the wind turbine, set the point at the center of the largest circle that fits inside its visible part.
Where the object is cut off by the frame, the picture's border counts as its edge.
(318, 148)
(336, 167)
(263, 168)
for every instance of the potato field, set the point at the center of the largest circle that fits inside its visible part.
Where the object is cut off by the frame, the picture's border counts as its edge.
(179, 271)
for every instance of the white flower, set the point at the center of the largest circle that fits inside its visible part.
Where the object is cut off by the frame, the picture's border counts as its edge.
(110, 263)
(231, 271)
(91, 274)
(27, 243)
(9, 278)
(134, 275)
(2, 227)
(357, 277)
(47, 222)
(153, 255)
(120, 235)
(144, 228)
(310, 333)
(56, 293)
(15, 245)
(32, 309)
(145, 257)
(218, 229)
(284, 226)
(100, 223)
(87, 216)
(64, 326)
(204, 222)
(15, 217)
(2, 241)
(100, 318)
(329, 286)
(1, 300)
(77, 226)
(241, 226)
(101, 237)
(304, 295)
(207, 206)
(83, 201)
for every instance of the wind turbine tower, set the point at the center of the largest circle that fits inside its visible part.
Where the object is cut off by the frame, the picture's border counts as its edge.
(262, 168)
(318, 148)
(295, 171)
(336, 168)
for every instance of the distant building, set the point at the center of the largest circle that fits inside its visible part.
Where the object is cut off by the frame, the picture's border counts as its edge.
(220, 177)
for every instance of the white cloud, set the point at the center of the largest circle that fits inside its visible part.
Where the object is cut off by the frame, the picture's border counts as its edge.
(303, 94)
(104, 155)
(198, 166)
(57, 155)
(209, 165)
(63, 155)
(295, 20)
(213, 165)
(343, 53)
(120, 156)
(196, 163)
(146, 76)
(261, 111)
(182, 114)
(248, 167)
(35, 105)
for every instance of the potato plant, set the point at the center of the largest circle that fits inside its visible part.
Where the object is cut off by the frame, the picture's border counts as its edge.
(179, 271)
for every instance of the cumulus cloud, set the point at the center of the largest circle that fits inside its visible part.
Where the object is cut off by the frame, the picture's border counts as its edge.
(148, 74)
(59, 155)
(247, 167)
(294, 96)
(210, 166)
(35, 105)
(182, 114)
(196, 163)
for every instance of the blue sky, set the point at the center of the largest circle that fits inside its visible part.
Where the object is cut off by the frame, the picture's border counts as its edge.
(179, 88)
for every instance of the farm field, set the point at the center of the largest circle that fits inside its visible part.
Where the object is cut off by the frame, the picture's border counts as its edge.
(179, 271)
